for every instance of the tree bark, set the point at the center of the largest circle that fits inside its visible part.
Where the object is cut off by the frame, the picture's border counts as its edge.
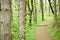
(35, 12)
(30, 10)
(55, 14)
(0, 19)
(59, 6)
(5, 20)
(21, 19)
(45, 4)
(41, 1)
(51, 6)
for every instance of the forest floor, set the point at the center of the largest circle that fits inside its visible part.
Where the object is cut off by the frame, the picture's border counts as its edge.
(41, 32)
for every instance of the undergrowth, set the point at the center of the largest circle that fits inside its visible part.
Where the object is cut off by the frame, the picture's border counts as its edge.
(54, 32)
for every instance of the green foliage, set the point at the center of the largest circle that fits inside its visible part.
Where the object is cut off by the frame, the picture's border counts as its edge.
(58, 18)
(14, 25)
(30, 33)
(29, 29)
(54, 32)
(14, 28)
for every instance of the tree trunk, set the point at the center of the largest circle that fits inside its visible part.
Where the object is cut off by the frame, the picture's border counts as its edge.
(41, 1)
(51, 6)
(59, 6)
(49, 9)
(35, 12)
(55, 13)
(5, 20)
(30, 10)
(45, 4)
(21, 18)
(0, 20)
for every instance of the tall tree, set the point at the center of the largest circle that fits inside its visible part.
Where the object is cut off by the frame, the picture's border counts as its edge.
(45, 4)
(55, 13)
(5, 19)
(49, 9)
(21, 19)
(30, 7)
(35, 11)
(51, 6)
(41, 4)
(59, 6)
(0, 20)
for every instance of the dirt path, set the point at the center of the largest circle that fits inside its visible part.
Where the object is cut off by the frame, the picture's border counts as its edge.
(41, 32)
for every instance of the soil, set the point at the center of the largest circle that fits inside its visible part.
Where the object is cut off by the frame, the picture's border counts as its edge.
(41, 32)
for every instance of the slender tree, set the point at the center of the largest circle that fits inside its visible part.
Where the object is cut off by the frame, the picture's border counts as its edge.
(35, 11)
(30, 10)
(55, 13)
(41, 3)
(51, 6)
(5, 19)
(21, 19)
(49, 10)
(45, 4)
(59, 6)
(0, 20)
